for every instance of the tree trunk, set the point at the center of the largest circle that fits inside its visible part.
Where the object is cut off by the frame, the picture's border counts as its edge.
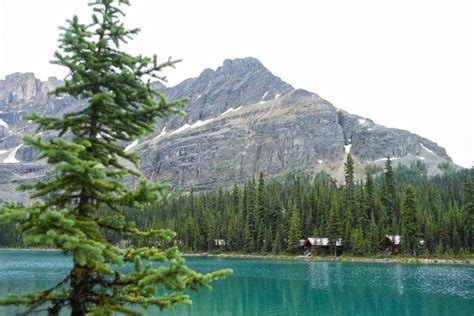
(78, 295)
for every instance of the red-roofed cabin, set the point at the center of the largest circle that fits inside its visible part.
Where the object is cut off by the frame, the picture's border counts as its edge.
(390, 244)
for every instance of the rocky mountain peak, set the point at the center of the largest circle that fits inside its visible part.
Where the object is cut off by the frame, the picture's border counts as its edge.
(236, 65)
(20, 76)
(24, 87)
(206, 74)
(236, 82)
(240, 120)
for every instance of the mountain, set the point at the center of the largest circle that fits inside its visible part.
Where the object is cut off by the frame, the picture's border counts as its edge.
(240, 120)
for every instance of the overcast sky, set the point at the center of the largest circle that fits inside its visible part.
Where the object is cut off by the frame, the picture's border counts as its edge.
(404, 64)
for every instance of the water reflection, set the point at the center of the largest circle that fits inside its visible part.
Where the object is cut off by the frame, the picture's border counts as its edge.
(397, 275)
(265, 287)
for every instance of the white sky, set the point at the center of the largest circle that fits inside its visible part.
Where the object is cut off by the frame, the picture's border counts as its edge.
(404, 64)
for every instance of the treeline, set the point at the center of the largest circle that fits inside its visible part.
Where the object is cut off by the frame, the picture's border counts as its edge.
(271, 216)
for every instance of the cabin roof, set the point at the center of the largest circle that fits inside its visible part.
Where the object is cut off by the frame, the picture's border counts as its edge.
(394, 238)
(323, 241)
(219, 242)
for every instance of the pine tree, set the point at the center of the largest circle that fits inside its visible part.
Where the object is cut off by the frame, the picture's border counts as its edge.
(369, 188)
(389, 193)
(349, 197)
(248, 235)
(267, 240)
(277, 242)
(469, 208)
(276, 209)
(85, 197)
(294, 232)
(232, 236)
(250, 228)
(349, 172)
(373, 237)
(261, 216)
(358, 242)
(362, 209)
(408, 220)
(334, 225)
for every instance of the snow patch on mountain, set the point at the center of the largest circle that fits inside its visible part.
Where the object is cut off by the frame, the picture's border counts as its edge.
(424, 147)
(11, 155)
(231, 110)
(131, 145)
(163, 133)
(385, 159)
(3, 123)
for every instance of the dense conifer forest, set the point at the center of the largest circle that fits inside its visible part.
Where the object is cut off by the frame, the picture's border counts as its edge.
(272, 215)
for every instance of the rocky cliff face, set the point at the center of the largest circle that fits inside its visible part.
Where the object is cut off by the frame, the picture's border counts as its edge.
(241, 120)
(237, 82)
(20, 94)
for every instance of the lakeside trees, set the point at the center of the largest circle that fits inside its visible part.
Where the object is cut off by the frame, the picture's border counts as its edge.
(435, 210)
(439, 209)
(79, 208)
(409, 223)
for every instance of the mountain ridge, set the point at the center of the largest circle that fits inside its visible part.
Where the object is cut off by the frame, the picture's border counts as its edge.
(240, 120)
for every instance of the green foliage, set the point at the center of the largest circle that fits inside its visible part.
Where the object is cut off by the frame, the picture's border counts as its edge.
(349, 212)
(442, 213)
(334, 229)
(469, 208)
(372, 238)
(294, 233)
(277, 242)
(446, 167)
(389, 195)
(358, 242)
(320, 210)
(409, 221)
(373, 169)
(81, 206)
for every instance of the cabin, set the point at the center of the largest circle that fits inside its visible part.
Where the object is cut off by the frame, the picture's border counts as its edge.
(390, 244)
(322, 245)
(219, 242)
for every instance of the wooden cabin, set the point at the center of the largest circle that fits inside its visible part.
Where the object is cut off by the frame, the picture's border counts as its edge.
(322, 246)
(219, 242)
(390, 244)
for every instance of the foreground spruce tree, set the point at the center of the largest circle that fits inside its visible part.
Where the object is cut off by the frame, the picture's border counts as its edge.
(83, 200)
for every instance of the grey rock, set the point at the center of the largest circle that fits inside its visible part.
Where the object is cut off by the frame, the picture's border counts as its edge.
(237, 82)
(240, 120)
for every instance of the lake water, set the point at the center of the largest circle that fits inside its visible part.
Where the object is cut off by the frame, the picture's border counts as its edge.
(271, 287)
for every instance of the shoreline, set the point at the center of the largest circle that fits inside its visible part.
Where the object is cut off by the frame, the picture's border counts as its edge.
(403, 260)
(29, 249)
(343, 258)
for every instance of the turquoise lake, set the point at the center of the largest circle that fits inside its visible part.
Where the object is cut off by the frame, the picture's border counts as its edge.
(271, 287)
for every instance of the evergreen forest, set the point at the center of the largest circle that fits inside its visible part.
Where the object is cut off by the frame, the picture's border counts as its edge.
(433, 215)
